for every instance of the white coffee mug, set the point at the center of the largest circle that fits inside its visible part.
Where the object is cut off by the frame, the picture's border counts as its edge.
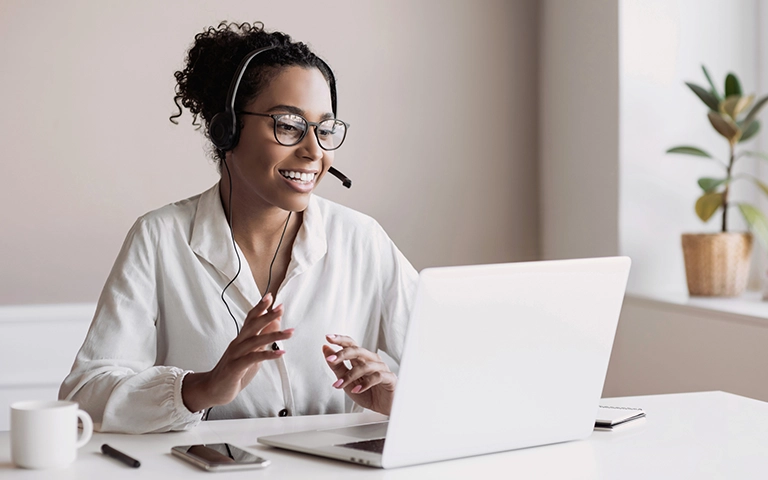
(44, 433)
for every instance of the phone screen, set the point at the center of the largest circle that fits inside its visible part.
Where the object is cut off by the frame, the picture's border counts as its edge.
(219, 456)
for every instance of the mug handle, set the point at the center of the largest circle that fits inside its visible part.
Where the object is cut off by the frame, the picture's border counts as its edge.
(85, 437)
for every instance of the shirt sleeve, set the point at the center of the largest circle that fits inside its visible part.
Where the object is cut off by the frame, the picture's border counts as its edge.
(398, 280)
(114, 377)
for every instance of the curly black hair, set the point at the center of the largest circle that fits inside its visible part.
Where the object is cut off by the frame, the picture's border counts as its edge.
(213, 59)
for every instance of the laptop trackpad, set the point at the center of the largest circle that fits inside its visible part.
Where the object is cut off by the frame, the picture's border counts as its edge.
(365, 431)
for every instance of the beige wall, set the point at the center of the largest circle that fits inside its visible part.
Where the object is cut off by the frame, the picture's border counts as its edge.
(666, 348)
(579, 128)
(87, 89)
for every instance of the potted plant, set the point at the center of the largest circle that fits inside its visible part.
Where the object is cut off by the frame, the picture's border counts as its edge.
(717, 264)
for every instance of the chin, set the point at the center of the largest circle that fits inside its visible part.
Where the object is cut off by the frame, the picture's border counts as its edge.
(296, 205)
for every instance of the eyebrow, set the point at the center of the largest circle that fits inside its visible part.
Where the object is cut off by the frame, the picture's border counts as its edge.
(296, 110)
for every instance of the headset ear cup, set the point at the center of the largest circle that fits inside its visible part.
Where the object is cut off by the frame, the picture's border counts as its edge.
(220, 131)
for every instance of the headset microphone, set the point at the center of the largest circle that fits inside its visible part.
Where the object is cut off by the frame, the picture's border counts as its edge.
(344, 179)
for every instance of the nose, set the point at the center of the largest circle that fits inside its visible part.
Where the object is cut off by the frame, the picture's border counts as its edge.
(309, 147)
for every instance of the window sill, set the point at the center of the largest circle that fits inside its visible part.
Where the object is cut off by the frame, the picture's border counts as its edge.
(749, 305)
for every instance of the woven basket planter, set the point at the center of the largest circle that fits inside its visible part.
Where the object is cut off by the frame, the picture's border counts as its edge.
(717, 264)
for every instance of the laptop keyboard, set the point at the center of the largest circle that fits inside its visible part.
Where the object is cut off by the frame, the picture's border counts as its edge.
(375, 446)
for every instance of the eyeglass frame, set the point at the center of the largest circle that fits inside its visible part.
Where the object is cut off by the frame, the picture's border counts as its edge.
(275, 116)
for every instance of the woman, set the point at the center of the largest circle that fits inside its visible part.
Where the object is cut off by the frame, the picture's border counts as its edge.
(248, 299)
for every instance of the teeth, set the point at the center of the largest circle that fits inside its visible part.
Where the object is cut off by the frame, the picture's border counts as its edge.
(298, 176)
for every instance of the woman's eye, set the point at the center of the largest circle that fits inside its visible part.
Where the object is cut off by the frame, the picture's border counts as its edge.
(324, 132)
(287, 127)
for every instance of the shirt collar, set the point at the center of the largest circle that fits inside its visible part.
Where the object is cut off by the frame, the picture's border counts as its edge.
(311, 243)
(211, 240)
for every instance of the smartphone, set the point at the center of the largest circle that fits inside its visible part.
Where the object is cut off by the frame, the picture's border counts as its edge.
(217, 457)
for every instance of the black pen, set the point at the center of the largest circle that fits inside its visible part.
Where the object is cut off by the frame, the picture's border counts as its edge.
(118, 455)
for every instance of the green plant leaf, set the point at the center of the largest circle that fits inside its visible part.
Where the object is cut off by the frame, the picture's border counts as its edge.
(709, 184)
(762, 186)
(757, 223)
(725, 126)
(728, 105)
(688, 150)
(741, 105)
(711, 83)
(756, 109)
(708, 204)
(750, 130)
(732, 85)
(710, 100)
(751, 153)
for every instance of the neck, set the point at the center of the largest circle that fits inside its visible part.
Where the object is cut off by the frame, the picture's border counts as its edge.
(257, 226)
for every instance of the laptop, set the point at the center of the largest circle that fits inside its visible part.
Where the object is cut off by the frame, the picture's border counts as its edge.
(496, 358)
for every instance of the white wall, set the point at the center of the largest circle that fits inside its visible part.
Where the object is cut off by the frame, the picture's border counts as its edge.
(663, 44)
(38, 344)
(578, 128)
(87, 89)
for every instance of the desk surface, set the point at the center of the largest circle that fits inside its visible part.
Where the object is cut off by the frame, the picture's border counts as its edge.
(692, 435)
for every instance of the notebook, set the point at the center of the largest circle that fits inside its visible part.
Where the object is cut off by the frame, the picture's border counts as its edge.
(609, 417)
(496, 357)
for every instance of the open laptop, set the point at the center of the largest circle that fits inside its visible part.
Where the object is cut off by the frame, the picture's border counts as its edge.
(497, 357)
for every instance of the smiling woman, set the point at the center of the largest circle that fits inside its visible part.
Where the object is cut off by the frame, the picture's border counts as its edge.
(307, 283)
(273, 151)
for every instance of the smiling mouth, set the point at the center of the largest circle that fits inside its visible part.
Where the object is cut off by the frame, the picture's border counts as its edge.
(298, 177)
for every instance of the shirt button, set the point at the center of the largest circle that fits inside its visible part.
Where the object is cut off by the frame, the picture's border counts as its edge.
(275, 346)
(283, 413)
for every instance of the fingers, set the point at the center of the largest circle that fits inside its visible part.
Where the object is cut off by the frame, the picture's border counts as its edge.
(257, 323)
(258, 342)
(260, 328)
(339, 369)
(341, 340)
(368, 370)
(353, 353)
(364, 377)
(385, 378)
(261, 307)
(246, 361)
(369, 373)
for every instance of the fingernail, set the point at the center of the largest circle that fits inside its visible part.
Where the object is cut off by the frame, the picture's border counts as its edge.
(279, 352)
(331, 358)
(278, 307)
(330, 335)
(357, 389)
(338, 383)
(288, 330)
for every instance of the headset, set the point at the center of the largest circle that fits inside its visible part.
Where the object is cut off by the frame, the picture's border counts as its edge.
(224, 130)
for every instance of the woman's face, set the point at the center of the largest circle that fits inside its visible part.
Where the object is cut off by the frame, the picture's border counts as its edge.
(260, 166)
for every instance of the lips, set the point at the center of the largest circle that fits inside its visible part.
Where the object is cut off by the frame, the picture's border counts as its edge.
(301, 181)
(298, 176)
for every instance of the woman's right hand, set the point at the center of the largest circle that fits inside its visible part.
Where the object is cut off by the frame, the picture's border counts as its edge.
(240, 361)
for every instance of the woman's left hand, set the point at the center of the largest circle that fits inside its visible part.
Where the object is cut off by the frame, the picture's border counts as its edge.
(369, 382)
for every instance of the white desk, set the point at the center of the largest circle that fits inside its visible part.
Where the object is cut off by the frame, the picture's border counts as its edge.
(692, 435)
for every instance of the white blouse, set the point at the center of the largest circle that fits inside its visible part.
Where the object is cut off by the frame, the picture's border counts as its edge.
(160, 315)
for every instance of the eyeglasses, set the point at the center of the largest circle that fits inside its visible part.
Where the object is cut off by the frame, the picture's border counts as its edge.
(291, 128)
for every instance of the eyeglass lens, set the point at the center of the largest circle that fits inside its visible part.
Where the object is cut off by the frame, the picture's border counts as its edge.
(290, 129)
